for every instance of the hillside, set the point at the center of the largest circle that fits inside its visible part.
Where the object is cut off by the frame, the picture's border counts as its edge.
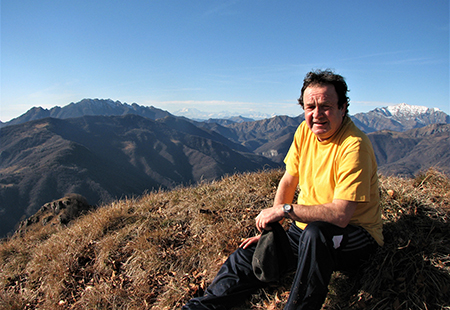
(105, 158)
(159, 250)
(407, 153)
(261, 136)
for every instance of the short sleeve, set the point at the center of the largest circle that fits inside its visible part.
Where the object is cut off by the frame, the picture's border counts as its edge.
(292, 158)
(353, 176)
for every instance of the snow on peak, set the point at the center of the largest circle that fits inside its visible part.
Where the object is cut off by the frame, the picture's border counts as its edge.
(403, 109)
(194, 113)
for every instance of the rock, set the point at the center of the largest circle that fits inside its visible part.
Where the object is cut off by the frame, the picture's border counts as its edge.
(61, 211)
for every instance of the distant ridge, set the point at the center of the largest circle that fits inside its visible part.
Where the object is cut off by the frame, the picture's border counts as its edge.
(400, 117)
(197, 115)
(104, 107)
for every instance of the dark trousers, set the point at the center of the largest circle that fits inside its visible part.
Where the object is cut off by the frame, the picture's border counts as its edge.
(320, 249)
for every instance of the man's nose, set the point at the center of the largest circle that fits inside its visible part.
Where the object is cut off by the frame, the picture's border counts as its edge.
(317, 111)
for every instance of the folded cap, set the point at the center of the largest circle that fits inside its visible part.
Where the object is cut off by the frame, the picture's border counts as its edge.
(273, 255)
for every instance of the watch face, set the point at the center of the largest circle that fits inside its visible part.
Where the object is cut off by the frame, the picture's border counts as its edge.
(287, 208)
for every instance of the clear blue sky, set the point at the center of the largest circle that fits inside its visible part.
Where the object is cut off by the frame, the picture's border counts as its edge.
(236, 55)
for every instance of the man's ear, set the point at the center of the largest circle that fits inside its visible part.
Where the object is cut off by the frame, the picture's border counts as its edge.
(344, 108)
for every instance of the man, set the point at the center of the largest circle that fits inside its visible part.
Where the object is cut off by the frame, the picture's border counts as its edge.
(337, 216)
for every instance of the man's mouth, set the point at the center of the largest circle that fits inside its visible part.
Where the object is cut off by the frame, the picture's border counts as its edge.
(320, 123)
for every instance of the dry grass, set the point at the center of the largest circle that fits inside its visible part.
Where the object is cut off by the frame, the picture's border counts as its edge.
(159, 250)
(412, 270)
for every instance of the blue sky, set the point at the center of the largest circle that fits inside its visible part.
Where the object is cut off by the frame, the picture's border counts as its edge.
(239, 56)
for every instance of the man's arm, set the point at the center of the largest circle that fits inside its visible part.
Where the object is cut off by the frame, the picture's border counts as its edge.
(286, 189)
(337, 212)
(285, 194)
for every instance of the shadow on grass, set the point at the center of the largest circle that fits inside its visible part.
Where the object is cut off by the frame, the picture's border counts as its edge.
(411, 271)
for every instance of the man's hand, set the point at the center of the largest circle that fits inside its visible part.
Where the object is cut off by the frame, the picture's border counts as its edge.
(267, 216)
(247, 242)
(264, 218)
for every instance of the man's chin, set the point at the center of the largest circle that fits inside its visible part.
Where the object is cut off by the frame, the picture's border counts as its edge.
(320, 129)
(321, 134)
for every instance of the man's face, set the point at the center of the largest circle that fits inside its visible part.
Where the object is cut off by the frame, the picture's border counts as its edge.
(322, 114)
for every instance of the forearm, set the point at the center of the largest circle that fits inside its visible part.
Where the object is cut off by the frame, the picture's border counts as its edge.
(338, 212)
(286, 190)
(306, 214)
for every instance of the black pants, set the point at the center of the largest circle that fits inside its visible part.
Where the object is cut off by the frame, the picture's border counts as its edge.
(321, 249)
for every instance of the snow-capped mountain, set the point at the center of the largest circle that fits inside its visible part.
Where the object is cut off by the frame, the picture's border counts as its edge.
(400, 117)
(196, 114)
(405, 110)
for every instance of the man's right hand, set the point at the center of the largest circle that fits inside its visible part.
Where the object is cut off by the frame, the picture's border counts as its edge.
(249, 241)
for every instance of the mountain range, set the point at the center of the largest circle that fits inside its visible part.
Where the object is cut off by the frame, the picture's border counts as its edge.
(108, 157)
(198, 115)
(400, 117)
(104, 150)
(86, 107)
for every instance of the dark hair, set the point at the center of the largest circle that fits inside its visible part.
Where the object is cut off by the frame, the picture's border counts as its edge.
(324, 77)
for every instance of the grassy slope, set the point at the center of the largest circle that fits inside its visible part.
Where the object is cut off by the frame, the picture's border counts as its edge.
(159, 250)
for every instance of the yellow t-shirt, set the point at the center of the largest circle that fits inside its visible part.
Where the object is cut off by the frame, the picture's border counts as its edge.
(342, 167)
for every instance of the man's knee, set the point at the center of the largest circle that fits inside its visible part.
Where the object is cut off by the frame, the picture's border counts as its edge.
(325, 233)
(317, 230)
(242, 256)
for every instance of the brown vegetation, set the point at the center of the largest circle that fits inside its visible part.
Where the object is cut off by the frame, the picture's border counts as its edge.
(159, 250)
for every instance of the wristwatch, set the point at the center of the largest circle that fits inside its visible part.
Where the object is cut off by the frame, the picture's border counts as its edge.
(287, 208)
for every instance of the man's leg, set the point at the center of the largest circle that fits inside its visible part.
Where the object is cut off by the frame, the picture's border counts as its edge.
(320, 252)
(234, 282)
(358, 249)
